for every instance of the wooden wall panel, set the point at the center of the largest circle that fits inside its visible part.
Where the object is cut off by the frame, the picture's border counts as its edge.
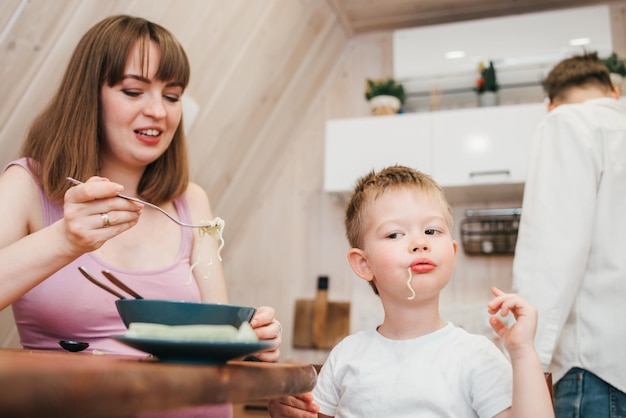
(266, 152)
(36, 69)
(215, 51)
(296, 234)
(25, 49)
(9, 10)
(240, 113)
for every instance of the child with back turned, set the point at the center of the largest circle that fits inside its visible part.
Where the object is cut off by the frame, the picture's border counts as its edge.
(399, 225)
(569, 258)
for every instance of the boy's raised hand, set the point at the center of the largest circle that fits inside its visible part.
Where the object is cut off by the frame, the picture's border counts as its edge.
(531, 397)
(521, 334)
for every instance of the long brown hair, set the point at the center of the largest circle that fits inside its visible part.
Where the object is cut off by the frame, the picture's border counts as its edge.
(65, 139)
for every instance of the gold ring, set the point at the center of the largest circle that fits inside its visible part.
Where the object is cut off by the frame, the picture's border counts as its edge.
(105, 220)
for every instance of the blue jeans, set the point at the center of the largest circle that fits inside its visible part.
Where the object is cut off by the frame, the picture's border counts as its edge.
(580, 394)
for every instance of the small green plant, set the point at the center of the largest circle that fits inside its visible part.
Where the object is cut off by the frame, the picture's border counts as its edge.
(487, 80)
(384, 86)
(615, 64)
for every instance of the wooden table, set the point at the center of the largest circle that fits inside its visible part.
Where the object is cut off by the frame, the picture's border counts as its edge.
(62, 384)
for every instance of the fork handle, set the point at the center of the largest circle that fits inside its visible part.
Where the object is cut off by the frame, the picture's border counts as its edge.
(152, 205)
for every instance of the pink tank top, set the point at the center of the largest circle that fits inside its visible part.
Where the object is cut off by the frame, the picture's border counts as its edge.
(66, 306)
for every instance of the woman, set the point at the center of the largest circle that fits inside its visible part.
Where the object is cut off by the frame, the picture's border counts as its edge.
(116, 124)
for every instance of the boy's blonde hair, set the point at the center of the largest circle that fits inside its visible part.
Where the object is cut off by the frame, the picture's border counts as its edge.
(373, 184)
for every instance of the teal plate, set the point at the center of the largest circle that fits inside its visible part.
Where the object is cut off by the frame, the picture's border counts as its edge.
(197, 352)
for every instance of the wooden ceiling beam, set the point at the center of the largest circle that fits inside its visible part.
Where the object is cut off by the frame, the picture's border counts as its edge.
(342, 17)
(390, 15)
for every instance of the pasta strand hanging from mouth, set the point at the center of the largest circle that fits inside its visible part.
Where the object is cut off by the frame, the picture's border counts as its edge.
(214, 229)
(408, 283)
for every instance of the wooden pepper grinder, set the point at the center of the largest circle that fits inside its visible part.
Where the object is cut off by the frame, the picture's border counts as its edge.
(320, 312)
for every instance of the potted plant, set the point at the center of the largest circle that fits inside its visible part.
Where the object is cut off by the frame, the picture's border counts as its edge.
(617, 68)
(487, 85)
(385, 95)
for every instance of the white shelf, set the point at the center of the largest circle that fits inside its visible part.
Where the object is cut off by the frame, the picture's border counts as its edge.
(478, 154)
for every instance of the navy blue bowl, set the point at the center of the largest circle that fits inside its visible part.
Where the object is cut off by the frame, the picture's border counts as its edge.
(170, 312)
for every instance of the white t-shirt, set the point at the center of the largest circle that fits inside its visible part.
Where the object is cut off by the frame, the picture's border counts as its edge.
(448, 373)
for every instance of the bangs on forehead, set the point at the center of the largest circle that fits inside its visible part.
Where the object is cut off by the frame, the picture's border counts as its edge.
(173, 65)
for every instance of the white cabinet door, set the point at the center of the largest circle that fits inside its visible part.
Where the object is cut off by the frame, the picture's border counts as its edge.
(356, 146)
(483, 145)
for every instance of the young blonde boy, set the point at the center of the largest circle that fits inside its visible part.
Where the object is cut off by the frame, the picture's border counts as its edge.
(399, 225)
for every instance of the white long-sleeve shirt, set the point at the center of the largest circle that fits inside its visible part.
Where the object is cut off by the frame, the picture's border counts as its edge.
(570, 259)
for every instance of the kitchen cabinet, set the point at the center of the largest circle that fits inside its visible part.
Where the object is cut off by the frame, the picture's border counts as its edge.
(483, 145)
(474, 154)
(356, 146)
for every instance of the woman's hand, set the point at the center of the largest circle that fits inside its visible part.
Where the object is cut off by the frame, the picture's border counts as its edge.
(296, 406)
(267, 328)
(93, 214)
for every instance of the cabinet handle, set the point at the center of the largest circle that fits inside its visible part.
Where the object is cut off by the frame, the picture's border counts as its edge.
(489, 173)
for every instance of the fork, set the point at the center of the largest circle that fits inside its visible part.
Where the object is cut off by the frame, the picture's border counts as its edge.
(134, 199)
